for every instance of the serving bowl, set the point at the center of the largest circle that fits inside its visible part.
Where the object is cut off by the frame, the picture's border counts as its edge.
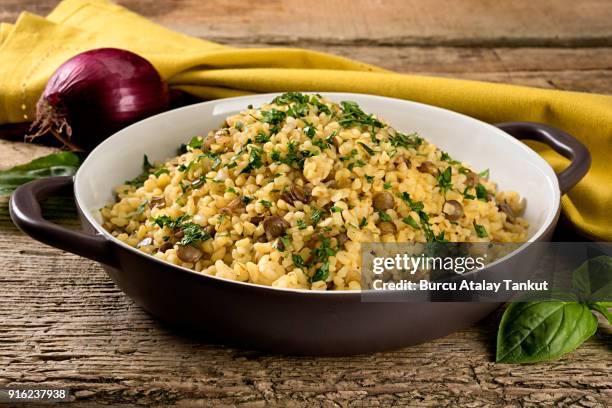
(290, 320)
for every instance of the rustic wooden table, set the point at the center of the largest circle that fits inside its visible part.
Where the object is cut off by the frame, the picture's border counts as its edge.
(64, 323)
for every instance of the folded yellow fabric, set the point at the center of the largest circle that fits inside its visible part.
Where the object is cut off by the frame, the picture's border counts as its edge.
(32, 48)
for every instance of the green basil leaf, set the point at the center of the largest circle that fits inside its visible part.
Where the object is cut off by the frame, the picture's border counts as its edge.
(55, 164)
(602, 308)
(594, 278)
(540, 331)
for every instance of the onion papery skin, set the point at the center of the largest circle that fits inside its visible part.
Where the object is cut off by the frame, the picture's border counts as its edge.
(96, 93)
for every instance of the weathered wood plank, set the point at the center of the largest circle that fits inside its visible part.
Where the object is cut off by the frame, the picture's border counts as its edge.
(582, 69)
(383, 22)
(15, 153)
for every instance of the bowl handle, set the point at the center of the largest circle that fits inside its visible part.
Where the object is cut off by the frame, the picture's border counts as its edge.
(24, 207)
(561, 142)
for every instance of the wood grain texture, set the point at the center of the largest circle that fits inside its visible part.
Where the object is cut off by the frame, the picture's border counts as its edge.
(64, 323)
(16, 153)
(378, 22)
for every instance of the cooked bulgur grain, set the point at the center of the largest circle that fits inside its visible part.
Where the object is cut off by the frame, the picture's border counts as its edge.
(284, 194)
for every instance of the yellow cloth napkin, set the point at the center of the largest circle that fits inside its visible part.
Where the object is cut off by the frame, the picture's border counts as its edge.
(32, 48)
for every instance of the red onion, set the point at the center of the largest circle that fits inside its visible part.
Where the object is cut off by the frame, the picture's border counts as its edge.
(96, 93)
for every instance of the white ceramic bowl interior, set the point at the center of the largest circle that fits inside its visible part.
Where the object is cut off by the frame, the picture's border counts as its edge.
(513, 165)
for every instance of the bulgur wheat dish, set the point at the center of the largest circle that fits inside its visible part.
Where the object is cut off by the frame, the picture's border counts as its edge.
(284, 194)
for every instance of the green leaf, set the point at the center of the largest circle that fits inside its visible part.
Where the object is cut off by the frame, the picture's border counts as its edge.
(480, 230)
(56, 164)
(481, 192)
(321, 273)
(594, 278)
(444, 179)
(367, 148)
(602, 308)
(298, 261)
(540, 331)
(410, 221)
(363, 222)
(484, 174)
(196, 142)
(384, 216)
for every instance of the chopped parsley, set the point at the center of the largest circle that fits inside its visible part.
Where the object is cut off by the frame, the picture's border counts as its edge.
(186, 167)
(299, 102)
(411, 221)
(290, 97)
(298, 110)
(444, 180)
(484, 174)
(321, 143)
(431, 237)
(255, 160)
(273, 116)
(384, 216)
(367, 148)
(358, 163)
(481, 192)
(192, 233)
(141, 207)
(480, 230)
(160, 171)
(352, 116)
(387, 185)
(262, 138)
(293, 157)
(301, 224)
(196, 142)
(405, 140)
(369, 179)
(316, 216)
(172, 223)
(246, 199)
(275, 155)
(322, 273)
(350, 156)
(416, 206)
(363, 223)
(285, 243)
(322, 254)
(298, 261)
(446, 157)
(265, 203)
(309, 130)
(335, 209)
(468, 195)
(321, 107)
